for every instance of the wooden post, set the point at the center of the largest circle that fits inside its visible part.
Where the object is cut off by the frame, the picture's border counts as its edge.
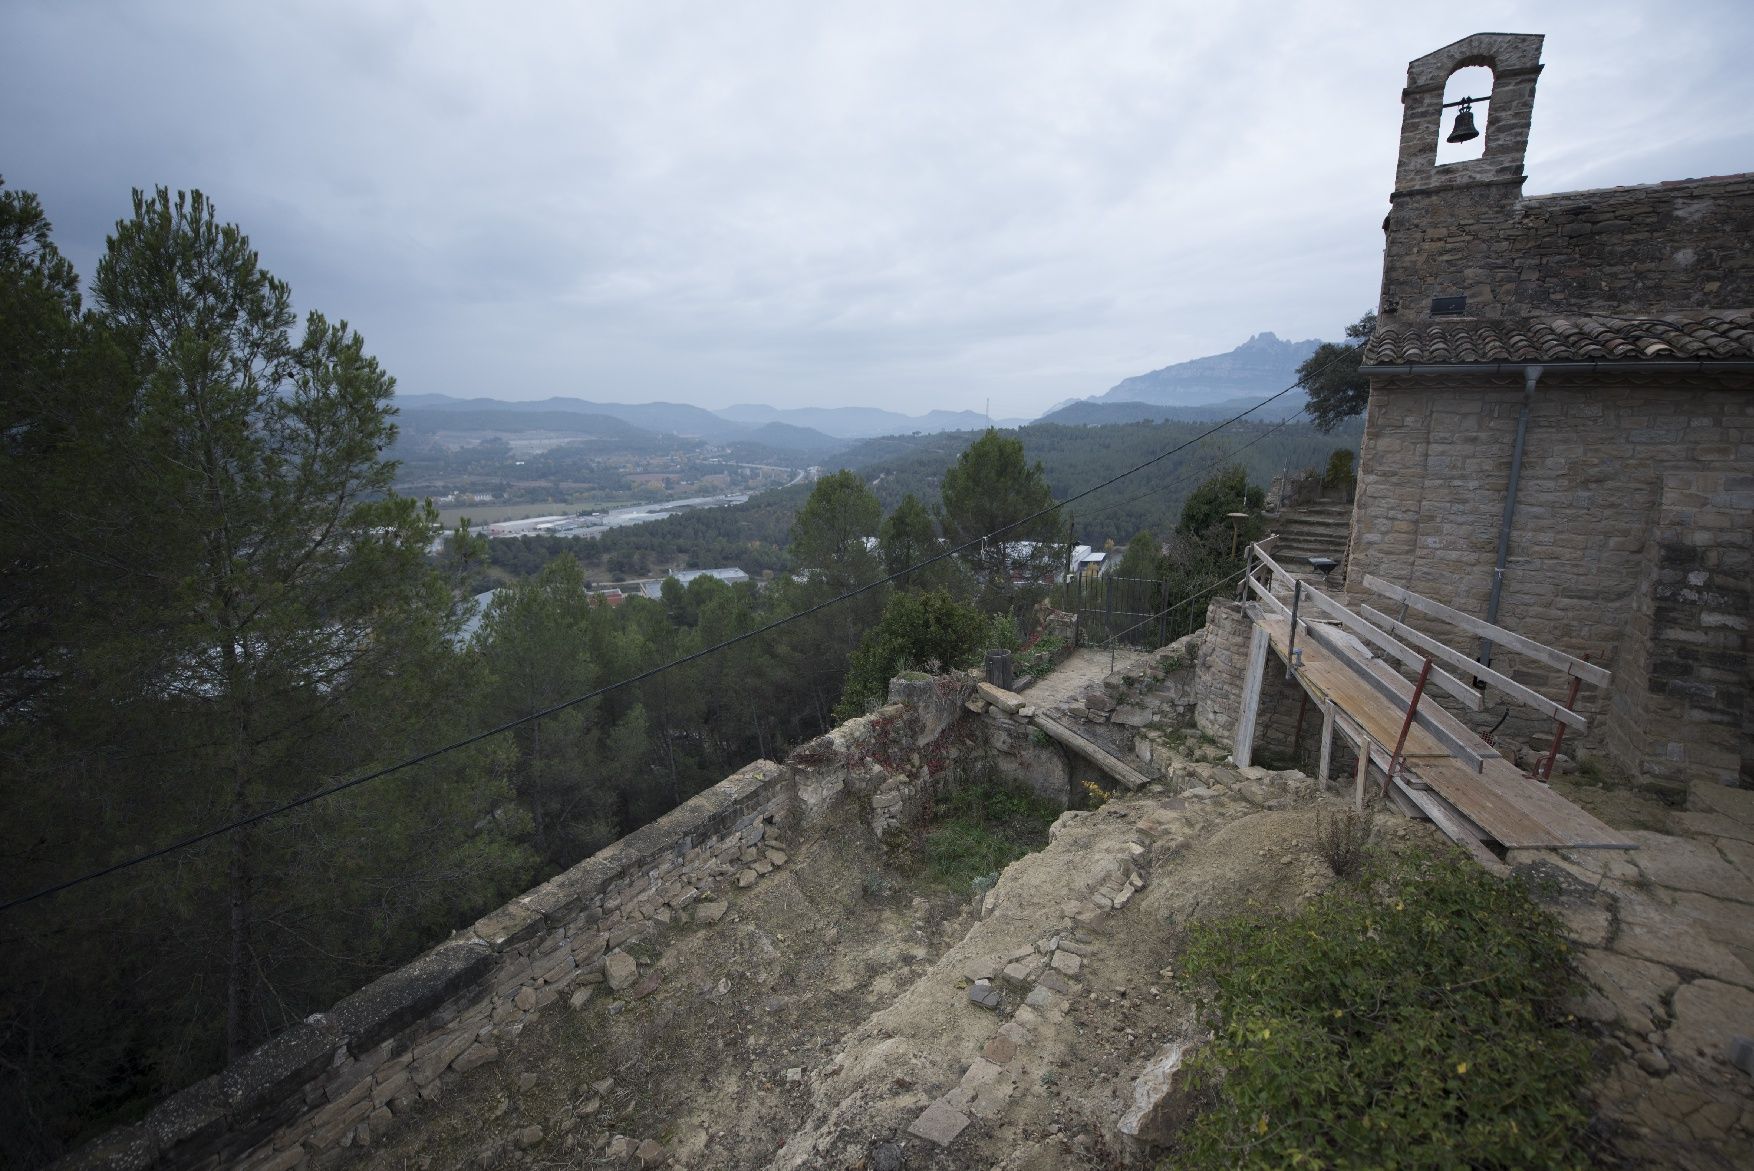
(1297, 733)
(999, 669)
(1327, 743)
(1363, 768)
(1243, 750)
(1291, 640)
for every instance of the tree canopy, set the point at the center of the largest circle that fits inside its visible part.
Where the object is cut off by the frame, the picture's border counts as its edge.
(993, 489)
(1331, 377)
(919, 629)
(833, 535)
(219, 605)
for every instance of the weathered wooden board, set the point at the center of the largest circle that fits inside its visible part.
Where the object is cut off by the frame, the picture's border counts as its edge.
(1509, 639)
(1455, 738)
(1327, 677)
(1242, 751)
(1527, 696)
(1516, 811)
(1101, 757)
(1458, 829)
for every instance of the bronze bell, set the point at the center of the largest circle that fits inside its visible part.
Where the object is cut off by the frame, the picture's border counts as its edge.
(1464, 129)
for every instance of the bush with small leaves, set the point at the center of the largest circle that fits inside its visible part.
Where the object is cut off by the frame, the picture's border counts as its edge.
(1412, 1019)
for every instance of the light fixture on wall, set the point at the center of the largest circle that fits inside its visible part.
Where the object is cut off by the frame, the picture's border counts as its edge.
(1464, 128)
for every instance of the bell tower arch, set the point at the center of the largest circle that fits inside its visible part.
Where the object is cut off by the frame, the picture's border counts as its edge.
(1440, 257)
(1515, 62)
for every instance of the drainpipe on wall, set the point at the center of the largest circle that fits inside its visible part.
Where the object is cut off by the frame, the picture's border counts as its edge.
(1531, 375)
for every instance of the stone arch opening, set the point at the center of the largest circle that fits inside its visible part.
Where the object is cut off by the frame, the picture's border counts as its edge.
(1470, 79)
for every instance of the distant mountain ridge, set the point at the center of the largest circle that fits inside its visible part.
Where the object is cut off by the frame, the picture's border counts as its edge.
(1092, 412)
(1211, 387)
(1263, 365)
(743, 421)
(863, 422)
(662, 418)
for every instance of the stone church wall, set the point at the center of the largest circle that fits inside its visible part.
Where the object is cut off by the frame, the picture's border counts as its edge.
(1632, 251)
(1632, 543)
(1222, 663)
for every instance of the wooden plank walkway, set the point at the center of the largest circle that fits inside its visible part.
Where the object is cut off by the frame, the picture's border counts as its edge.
(1506, 807)
(1325, 677)
(1516, 811)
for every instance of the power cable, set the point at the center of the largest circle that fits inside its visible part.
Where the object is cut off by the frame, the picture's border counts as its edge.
(421, 758)
(1198, 594)
(1283, 423)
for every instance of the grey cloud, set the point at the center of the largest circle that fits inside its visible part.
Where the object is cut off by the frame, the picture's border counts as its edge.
(919, 205)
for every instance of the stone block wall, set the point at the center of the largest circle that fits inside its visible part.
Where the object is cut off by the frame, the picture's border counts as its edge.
(1222, 662)
(1630, 251)
(334, 1078)
(1465, 229)
(1023, 756)
(1685, 708)
(339, 1077)
(1632, 543)
(1277, 735)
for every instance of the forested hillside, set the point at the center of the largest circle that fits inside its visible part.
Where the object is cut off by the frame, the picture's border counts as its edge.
(752, 536)
(1078, 458)
(225, 638)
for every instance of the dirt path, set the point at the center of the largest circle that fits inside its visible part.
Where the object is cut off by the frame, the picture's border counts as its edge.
(1084, 668)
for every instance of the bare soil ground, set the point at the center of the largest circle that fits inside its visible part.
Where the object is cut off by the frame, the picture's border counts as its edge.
(700, 1063)
(830, 1007)
(828, 1016)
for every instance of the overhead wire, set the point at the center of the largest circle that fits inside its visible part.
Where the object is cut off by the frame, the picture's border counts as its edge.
(284, 807)
(1283, 423)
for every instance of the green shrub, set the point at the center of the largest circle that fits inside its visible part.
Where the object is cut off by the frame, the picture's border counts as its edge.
(983, 827)
(916, 630)
(1413, 1020)
(1339, 473)
(1041, 658)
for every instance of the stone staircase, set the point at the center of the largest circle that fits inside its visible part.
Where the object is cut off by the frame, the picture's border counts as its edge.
(1317, 529)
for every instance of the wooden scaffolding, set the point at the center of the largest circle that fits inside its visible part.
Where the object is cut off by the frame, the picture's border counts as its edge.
(1432, 765)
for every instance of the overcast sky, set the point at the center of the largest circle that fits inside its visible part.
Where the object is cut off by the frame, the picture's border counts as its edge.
(810, 203)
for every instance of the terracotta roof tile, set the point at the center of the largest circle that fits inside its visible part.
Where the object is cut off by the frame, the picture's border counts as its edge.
(1724, 335)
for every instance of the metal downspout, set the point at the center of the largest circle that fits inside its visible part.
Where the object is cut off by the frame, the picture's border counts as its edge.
(1531, 375)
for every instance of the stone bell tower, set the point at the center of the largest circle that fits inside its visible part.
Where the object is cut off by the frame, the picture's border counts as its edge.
(1434, 262)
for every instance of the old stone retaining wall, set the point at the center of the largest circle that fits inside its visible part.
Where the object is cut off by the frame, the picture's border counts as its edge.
(1222, 663)
(339, 1077)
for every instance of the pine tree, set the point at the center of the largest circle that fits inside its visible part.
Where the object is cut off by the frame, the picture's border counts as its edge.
(1331, 377)
(282, 573)
(989, 495)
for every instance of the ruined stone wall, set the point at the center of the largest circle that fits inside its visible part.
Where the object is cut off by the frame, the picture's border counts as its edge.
(339, 1077)
(1221, 664)
(1683, 707)
(1631, 544)
(1632, 251)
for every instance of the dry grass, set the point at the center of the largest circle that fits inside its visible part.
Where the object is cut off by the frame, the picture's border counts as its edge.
(1342, 838)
